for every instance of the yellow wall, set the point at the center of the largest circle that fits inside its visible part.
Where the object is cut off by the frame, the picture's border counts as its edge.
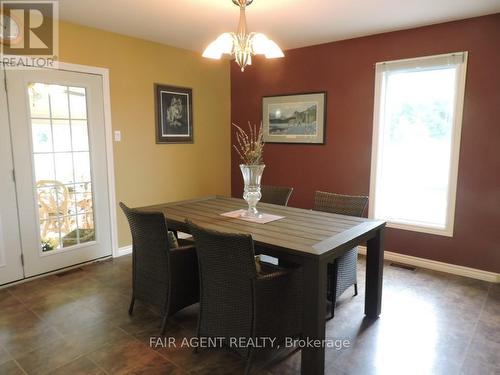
(147, 173)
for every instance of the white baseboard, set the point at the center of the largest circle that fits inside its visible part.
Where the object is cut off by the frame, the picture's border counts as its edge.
(125, 250)
(454, 269)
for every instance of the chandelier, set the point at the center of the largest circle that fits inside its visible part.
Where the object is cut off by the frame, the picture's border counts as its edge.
(243, 45)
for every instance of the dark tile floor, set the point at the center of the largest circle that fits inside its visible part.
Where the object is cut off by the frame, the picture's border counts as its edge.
(77, 323)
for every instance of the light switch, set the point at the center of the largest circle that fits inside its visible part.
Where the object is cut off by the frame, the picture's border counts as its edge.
(118, 136)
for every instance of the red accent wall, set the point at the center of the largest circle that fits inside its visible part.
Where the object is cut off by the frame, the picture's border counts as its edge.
(345, 69)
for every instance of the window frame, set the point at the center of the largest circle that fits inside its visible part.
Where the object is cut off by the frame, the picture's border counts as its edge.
(405, 64)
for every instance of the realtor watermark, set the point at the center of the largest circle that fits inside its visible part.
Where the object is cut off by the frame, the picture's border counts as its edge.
(29, 34)
(247, 342)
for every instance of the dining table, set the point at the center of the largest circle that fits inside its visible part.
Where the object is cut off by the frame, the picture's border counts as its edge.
(311, 239)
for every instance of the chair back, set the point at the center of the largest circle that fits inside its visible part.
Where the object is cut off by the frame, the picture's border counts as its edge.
(53, 198)
(54, 205)
(275, 194)
(340, 204)
(227, 269)
(150, 256)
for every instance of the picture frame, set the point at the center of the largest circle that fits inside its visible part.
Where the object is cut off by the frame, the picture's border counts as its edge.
(294, 118)
(174, 114)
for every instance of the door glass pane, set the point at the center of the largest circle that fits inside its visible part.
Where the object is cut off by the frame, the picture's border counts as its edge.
(39, 100)
(44, 167)
(72, 206)
(77, 103)
(62, 165)
(49, 231)
(58, 100)
(86, 227)
(80, 135)
(82, 166)
(42, 136)
(62, 135)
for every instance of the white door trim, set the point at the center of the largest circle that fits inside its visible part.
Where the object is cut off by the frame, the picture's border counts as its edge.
(106, 93)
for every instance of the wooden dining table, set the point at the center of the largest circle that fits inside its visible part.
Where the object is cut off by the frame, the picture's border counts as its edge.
(308, 238)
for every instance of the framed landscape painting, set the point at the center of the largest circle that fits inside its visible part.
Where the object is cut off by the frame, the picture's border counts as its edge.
(174, 114)
(296, 118)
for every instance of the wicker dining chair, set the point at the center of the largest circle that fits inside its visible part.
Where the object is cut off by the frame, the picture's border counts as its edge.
(342, 273)
(237, 301)
(163, 276)
(275, 194)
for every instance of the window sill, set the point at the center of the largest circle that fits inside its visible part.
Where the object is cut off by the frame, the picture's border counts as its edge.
(447, 232)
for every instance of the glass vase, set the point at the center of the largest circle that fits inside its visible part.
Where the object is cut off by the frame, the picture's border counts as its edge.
(252, 174)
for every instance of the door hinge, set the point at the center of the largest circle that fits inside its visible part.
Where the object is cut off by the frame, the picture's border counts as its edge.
(14, 175)
(22, 259)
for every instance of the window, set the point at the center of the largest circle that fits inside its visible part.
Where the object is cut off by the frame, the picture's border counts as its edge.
(61, 155)
(416, 142)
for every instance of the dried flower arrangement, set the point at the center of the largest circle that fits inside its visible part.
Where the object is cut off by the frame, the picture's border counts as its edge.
(250, 147)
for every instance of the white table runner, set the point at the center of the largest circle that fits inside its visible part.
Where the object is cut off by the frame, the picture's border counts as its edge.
(266, 218)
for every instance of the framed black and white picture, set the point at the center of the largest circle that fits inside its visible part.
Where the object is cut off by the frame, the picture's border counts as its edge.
(296, 118)
(174, 114)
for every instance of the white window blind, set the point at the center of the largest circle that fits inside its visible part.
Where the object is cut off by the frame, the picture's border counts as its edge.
(416, 142)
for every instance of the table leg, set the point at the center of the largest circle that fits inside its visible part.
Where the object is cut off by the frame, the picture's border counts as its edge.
(313, 324)
(374, 271)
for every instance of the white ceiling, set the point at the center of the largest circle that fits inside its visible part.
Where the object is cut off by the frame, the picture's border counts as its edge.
(192, 24)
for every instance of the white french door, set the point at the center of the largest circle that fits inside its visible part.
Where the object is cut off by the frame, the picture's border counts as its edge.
(11, 268)
(59, 156)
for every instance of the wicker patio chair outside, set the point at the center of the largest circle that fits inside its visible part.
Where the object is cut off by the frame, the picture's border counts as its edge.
(236, 300)
(341, 273)
(276, 194)
(163, 277)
